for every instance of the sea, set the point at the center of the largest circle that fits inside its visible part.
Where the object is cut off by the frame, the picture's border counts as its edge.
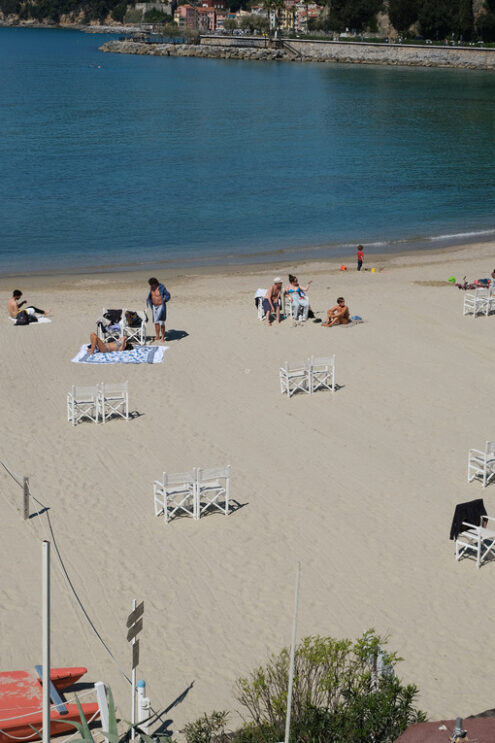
(110, 160)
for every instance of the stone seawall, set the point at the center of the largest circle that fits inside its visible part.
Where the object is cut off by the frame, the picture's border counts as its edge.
(315, 51)
(191, 50)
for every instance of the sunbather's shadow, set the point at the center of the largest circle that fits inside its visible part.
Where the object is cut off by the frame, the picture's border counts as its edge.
(175, 335)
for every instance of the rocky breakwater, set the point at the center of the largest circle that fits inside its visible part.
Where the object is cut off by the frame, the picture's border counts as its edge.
(301, 50)
(192, 50)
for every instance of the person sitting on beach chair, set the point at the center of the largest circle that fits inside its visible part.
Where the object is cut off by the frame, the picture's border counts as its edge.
(14, 306)
(271, 303)
(96, 344)
(297, 297)
(338, 315)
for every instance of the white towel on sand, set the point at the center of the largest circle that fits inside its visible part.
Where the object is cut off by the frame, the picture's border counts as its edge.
(138, 355)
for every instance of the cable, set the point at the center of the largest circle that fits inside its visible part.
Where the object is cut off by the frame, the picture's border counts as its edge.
(46, 513)
(10, 473)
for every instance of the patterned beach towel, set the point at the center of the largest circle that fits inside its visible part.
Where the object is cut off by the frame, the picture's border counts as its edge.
(138, 355)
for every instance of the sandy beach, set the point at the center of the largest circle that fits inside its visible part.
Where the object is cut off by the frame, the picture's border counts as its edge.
(360, 485)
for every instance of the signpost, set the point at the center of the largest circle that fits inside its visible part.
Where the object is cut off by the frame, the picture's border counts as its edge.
(134, 626)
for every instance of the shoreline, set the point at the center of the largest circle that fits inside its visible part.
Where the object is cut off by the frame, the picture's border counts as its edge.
(380, 261)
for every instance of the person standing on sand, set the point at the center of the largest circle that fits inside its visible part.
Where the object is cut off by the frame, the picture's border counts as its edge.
(338, 315)
(157, 302)
(360, 257)
(14, 305)
(271, 302)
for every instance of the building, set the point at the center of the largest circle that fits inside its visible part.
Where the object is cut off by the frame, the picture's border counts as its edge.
(196, 19)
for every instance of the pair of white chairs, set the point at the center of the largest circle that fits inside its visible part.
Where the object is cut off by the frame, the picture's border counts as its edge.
(99, 401)
(482, 302)
(192, 493)
(133, 329)
(315, 374)
(481, 464)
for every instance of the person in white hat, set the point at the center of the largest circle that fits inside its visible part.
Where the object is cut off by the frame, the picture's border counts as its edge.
(271, 302)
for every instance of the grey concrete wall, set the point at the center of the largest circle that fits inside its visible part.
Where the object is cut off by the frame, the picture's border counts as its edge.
(314, 51)
(391, 54)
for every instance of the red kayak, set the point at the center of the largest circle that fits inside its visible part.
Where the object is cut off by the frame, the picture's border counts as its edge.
(21, 700)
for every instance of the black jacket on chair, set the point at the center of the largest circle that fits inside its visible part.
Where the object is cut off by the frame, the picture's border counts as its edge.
(472, 511)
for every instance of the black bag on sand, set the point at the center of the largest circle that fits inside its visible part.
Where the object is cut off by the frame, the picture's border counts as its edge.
(22, 318)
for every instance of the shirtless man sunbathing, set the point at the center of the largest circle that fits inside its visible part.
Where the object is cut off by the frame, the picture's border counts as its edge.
(338, 315)
(15, 304)
(271, 302)
(108, 347)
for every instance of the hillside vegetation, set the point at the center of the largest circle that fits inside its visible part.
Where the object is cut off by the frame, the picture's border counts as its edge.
(431, 19)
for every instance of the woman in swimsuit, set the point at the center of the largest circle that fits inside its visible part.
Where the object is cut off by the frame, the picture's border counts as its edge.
(297, 296)
(96, 344)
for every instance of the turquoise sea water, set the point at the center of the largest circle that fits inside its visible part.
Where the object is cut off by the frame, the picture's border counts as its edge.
(112, 159)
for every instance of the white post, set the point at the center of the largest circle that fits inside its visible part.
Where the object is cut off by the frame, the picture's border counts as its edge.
(292, 653)
(133, 679)
(46, 642)
(144, 707)
(101, 698)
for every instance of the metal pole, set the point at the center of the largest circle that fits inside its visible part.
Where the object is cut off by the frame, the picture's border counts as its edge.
(25, 498)
(292, 653)
(133, 679)
(46, 641)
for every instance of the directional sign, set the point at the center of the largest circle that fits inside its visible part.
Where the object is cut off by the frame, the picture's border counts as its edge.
(135, 630)
(136, 614)
(135, 654)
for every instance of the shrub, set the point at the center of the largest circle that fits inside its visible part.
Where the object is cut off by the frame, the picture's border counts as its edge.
(207, 729)
(339, 694)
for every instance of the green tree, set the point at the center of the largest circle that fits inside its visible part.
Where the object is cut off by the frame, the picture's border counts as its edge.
(403, 13)
(119, 12)
(354, 14)
(436, 18)
(157, 16)
(338, 695)
(230, 24)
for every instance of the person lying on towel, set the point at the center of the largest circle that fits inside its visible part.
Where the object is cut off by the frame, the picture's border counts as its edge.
(96, 344)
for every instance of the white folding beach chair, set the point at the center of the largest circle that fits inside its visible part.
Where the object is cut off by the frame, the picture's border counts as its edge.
(481, 464)
(477, 539)
(83, 402)
(213, 488)
(490, 301)
(260, 294)
(136, 331)
(106, 335)
(322, 373)
(291, 308)
(114, 400)
(477, 303)
(175, 495)
(295, 378)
